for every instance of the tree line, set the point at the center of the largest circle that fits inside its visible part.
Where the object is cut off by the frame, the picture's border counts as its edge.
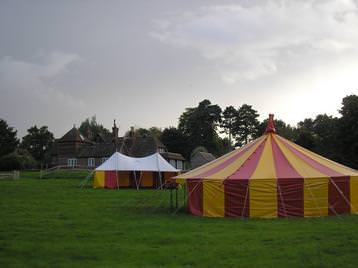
(205, 126)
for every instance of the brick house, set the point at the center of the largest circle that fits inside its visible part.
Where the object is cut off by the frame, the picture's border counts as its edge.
(75, 150)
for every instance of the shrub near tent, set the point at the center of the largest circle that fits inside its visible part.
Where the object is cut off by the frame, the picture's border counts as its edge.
(121, 171)
(271, 177)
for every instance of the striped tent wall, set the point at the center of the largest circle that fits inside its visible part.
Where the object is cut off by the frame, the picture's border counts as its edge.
(271, 177)
(112, 179)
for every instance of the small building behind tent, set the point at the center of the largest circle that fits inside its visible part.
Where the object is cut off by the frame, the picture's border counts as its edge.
(200, 158)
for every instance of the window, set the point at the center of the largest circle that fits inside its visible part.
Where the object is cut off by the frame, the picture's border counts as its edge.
(172, 162)
(91, 162)
(161, 150)
(179, 164)
(104, 159)
(72, 162)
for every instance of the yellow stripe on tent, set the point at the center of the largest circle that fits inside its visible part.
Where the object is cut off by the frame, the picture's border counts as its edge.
(304, 169)
(234, 166)
(213, 199)
(315, 197)
(323, 161)
(266, 166)
(98, 181)
(213, 164)
(263, 198)
(354, 194)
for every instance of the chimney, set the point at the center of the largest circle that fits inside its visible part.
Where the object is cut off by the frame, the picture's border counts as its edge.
(270, 125)
(115, 130)
(115, 135)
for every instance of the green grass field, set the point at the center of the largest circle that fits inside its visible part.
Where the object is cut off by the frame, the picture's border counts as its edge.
(54, 223)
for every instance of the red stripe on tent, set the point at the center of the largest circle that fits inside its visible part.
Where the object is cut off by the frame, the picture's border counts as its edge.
(325, 170)
(290, 197)
(338, 196)
(111, 180)
(227, 162)
(237, 198)
(195, 197)
(249, 166)
(284, 169)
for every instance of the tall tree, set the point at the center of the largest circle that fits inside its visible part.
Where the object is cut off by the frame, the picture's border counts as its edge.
(199, 125)
(175, 141)
(348, 131)
(246, 124)
(228, 119)
(90, 125)
(8, 140)
(38, 142)
(306, 136)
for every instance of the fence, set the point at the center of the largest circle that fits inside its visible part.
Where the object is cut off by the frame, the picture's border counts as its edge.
(10, 175)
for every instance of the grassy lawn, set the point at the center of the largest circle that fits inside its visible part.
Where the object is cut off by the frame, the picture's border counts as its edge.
(53, 223)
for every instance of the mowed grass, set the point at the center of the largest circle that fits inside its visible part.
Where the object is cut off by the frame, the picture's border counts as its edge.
(54, 223)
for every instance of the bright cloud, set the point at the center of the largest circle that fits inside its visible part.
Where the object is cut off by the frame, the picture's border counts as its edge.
(250, 42)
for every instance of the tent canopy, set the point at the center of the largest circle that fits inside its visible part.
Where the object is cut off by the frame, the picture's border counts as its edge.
(271, 177)
(121, 162)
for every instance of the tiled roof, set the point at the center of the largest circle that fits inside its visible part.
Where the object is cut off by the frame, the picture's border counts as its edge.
(72, 135)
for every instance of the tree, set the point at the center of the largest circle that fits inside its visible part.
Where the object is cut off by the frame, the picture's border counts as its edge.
(38, 142)
(90, 125)
(228, 120)
(348, 131)
(142, 132)
(326, 130)
(246, 124)
(8, 140)
(175, 141)
(199, 125)
(306, 136)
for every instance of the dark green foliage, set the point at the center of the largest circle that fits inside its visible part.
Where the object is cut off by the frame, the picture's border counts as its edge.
(53, 223)
(199, 125)
(38, 142)
(18, 160)
(348, 131)
(229, 116)
(175, 141)
(91, 126)
(246, 124)
(8, 140)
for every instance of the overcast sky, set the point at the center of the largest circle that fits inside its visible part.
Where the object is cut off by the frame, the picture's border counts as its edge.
(144, 62)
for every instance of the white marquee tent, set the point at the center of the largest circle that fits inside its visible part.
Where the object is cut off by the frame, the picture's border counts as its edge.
(106, 175)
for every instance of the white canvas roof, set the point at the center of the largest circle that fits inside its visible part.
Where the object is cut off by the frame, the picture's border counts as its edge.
(154, 162)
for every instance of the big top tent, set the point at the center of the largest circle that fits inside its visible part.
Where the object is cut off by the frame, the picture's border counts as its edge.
(121, 171)
(271, 177)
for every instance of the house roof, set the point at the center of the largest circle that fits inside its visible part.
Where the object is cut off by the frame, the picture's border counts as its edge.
(175, 156)
(72, 135)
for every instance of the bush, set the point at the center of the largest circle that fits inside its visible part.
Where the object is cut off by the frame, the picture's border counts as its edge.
(17, 161)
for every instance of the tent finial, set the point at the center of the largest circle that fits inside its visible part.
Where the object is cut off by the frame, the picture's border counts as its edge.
(270, 125)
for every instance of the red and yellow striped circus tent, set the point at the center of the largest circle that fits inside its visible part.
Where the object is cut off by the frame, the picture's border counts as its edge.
(271, 177)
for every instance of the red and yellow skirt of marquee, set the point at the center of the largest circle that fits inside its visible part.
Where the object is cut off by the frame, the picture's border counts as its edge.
(271, 177)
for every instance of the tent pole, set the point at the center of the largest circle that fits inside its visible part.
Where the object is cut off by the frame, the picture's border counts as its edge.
(135, 179)
(247, 191)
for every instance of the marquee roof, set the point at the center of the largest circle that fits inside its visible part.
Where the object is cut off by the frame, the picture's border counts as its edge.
(121, 162)
(269, 157)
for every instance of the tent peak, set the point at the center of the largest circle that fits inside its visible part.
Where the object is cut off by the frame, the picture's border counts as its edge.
(270, 125)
